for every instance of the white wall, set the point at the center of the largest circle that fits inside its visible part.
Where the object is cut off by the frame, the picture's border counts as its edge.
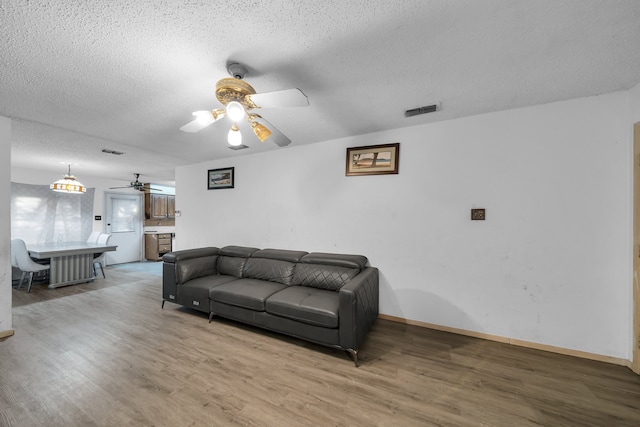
(635, 103)
(551, 264)
(5, 226)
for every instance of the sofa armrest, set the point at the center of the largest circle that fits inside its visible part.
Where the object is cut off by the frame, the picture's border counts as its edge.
(358, 308)
(173, 257)
(182, 266)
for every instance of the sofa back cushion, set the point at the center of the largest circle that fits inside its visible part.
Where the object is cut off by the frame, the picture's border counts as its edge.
(329, 277)
(269, 269)
(231, 265)
(190, 269)
(273, 265)
(327, 271)
(231, 259)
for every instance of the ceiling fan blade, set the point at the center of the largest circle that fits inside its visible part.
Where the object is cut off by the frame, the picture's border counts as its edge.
(203, 119)
(280, 98)
(113, 188)
(276, 136)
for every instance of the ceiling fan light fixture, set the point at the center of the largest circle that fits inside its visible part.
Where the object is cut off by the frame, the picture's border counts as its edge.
(68, 184)
(261, 131)
(235, 111)
(204, 117)
(235, 137)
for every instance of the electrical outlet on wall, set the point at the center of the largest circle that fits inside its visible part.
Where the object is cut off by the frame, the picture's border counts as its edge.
(477, 214)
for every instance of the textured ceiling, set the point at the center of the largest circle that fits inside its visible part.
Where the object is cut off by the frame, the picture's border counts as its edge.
(80, 76)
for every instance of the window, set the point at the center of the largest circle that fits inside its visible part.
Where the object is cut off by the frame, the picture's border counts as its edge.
(39, 215)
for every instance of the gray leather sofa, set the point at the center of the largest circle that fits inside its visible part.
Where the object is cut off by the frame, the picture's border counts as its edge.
(329, 299)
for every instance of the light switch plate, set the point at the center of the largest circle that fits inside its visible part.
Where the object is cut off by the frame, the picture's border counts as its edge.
(477, 214)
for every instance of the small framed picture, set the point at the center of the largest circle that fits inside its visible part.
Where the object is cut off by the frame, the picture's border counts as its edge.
(373, 159)
(220, 178)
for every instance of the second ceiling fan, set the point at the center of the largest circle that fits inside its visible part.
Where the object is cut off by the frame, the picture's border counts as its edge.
(240, 99)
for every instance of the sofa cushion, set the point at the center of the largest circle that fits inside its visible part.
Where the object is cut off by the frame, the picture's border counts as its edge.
(230, 265)
(309, 305)
(269, 269)
(329, 277)
(189, 269)
(247, 293)
(195, 293)
(238, 251)
(340, 260)
(279, 254)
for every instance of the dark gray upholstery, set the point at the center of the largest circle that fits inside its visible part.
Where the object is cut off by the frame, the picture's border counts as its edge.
(231, 265)
(195, 293)
(238, 251)
(193, 268)
(270, 270)
(331, 299)
(280, 254)
(328, 277)
(304, 304)
(340, 260)
(247, 293)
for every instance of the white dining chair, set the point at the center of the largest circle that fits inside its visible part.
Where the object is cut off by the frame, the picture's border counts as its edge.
(99, 258)
(93, 237)
(20, 255)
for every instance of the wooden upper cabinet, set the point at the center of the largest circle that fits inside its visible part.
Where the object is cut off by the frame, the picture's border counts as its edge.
(158, 206)
(159, 209)
(171, 206)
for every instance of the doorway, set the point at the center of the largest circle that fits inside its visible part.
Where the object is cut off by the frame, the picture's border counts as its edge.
(124, 222)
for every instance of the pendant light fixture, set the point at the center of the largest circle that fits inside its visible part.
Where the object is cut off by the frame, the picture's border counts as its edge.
(235, 137)
(68, 184)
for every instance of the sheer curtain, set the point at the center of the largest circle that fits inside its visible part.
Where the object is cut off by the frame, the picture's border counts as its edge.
(39, 215)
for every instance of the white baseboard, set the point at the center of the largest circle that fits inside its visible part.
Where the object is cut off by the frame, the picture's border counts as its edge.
(512, 341)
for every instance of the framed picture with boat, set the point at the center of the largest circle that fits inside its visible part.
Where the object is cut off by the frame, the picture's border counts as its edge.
(373, 159)
(220, 178)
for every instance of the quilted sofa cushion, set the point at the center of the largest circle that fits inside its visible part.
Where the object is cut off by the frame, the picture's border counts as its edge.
(328, 277)
(231, 265)
(270, 270)
(247, 293)
(309, 305)
(231, 259)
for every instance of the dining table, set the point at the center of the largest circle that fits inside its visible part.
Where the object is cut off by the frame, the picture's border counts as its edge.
(70, 262)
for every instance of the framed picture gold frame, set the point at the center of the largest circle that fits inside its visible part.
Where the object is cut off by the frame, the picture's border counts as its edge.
(220, 178)
(373, 159)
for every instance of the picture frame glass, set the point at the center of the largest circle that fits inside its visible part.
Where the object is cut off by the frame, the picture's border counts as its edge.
(220, 178)
(373, 160)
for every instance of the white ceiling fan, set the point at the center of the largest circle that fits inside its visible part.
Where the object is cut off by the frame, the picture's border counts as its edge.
(240, 99)
(137, 185)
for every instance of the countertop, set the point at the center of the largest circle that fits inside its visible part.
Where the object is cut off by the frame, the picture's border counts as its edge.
(160, 229)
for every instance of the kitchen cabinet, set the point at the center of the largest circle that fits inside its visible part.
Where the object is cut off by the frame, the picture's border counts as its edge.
(160, 206)
(156, 245)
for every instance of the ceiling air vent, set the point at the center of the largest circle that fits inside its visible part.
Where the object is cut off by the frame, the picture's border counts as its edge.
(421, 110)
(114, 152)
(238, 147)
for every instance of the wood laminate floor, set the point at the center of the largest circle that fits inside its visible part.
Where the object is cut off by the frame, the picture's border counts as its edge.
(106, 354)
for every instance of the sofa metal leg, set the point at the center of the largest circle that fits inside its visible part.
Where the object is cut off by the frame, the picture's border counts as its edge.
(162, 304)
(211, 314)
(354, 355)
